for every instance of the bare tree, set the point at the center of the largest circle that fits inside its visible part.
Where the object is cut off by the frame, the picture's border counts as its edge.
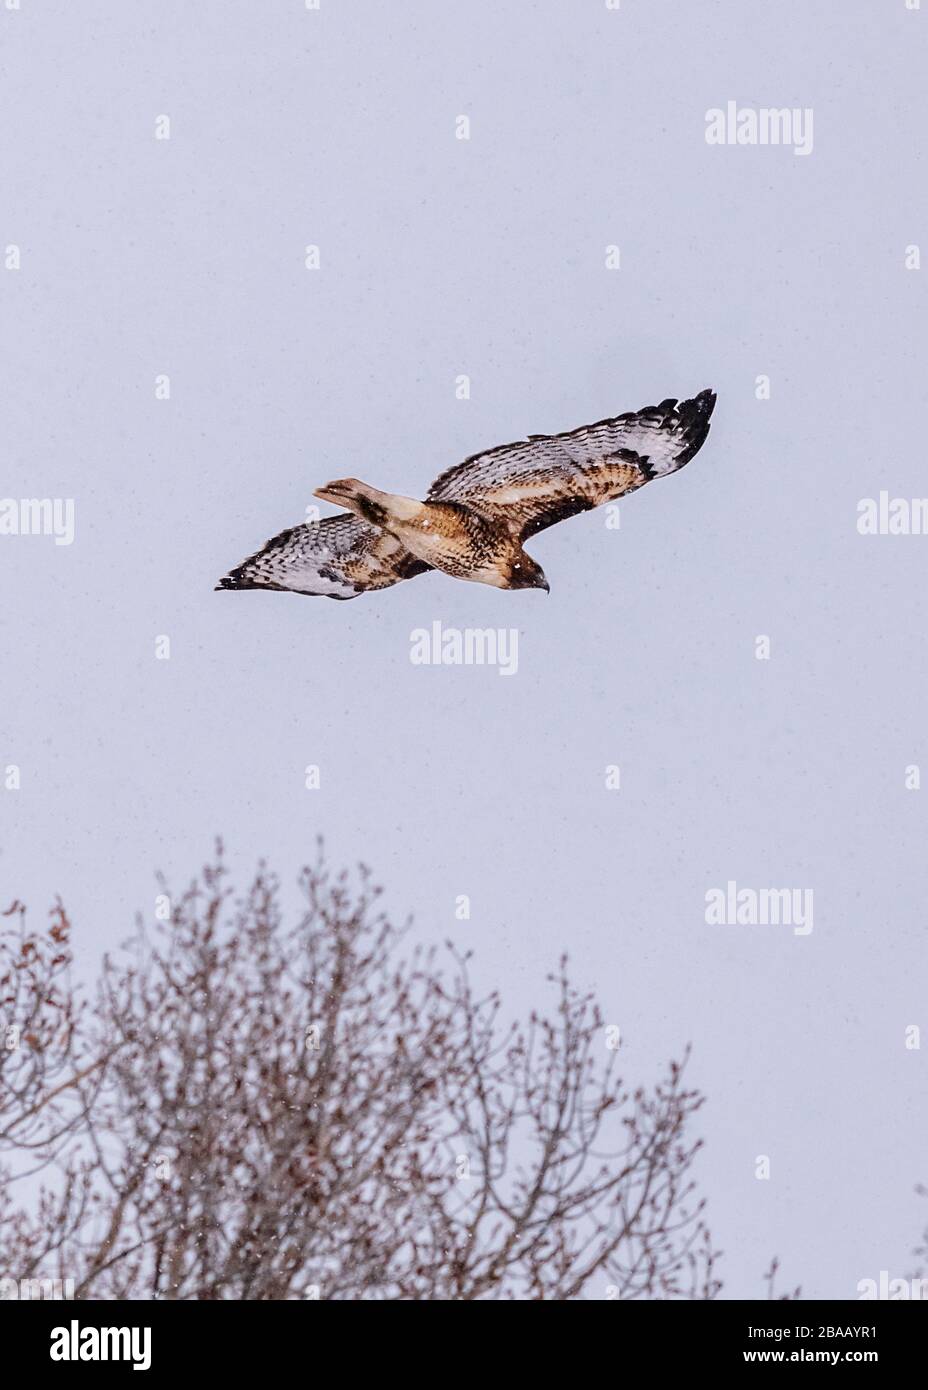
(255, 1110)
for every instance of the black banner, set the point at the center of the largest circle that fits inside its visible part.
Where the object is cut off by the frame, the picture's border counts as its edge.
(162, 1339)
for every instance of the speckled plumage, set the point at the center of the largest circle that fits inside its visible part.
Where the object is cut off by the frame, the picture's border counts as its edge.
(476, 516)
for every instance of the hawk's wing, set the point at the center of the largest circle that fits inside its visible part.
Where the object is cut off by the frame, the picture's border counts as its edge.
(339, 558)
(548, 477)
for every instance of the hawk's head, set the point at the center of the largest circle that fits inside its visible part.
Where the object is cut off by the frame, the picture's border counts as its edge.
(524, 573)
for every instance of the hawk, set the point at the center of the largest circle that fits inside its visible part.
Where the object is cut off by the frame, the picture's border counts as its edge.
(477, 516)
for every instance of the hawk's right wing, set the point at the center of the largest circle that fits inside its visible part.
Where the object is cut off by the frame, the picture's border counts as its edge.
(546, 478)
(338, 558)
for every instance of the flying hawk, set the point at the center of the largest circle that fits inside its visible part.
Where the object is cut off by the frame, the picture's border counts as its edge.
(477, 515)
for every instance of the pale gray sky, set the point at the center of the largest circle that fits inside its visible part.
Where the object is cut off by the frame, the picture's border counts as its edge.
(439, 256)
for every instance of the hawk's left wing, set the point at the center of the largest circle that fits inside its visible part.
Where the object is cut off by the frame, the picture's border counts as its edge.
(339, 558)
(546, 478)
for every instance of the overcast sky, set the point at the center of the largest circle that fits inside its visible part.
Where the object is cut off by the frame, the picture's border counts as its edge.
(440, 257)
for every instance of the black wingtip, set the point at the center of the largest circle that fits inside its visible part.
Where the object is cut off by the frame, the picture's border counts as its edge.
(695, 417)
(701, 405)
(235, 580)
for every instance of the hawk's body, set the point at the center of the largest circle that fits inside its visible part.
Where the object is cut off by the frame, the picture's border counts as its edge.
(477, 515)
